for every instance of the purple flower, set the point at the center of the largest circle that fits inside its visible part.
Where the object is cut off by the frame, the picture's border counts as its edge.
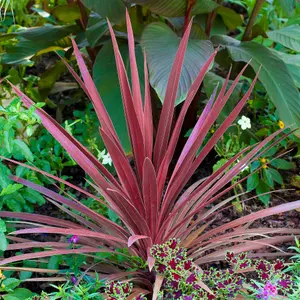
(73, 279)
(73, 239)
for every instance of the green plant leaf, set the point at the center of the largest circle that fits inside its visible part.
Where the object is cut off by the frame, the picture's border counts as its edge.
(2, 226)
(276, 175)
(231, 19)
(252, 181)
(11, 188)
(22, 148)
(32, 196)
(287, 6)
(292, 62)
(9, 139)
(261, 188)
(4, 173)
(287, 36)
(47, 33)
(282, 164)
(96, 28)
(67, 12)
(176, 8)
(19, 294)
(114, 10)
(106, 80)
(49, 78)
(268, 178)
(3, 241)
(161, 45)
(274, 75)
(220, 163)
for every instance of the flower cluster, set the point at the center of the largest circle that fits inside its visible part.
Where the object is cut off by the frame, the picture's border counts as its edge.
(120, 291)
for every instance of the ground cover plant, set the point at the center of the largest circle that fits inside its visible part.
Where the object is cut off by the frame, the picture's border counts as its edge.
(149, 196)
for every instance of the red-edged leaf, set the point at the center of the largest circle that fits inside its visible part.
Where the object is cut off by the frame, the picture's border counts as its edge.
(42, 254)
(77, 206)
(136, 89)
(135, 131)
(157, 286)
(95, 97)
(39, 219)
(74, 231)
(151, 200)
(135, 238)
(75, 187)
(252, 217)
(125, 173)
(163, 169)
(80, 154)
(148, 118)
(167, 113)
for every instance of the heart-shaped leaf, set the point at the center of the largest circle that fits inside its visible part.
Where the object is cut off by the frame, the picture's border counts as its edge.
(287, 36)
(161, 45)
(274, 75)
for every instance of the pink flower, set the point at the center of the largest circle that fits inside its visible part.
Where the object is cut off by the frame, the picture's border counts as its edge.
(269, 290)
(73, 239)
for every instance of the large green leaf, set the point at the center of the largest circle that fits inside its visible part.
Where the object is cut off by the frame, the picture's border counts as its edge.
(161, 45)
(106, 80)
(231, 19)
(37, 40)
(44, 33)
(287, 36)
(67, 12)
(97, 26)
(274, 75)
(292, 62)
(287, 6)
(114, 10)
(176, 8)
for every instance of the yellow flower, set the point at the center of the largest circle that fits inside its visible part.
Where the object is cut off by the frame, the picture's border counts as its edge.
(265, 166)
(1, 275)
(263, 160)
(281, 124)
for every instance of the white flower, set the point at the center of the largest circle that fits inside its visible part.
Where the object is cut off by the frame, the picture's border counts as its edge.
(106, 159)
(244, 122)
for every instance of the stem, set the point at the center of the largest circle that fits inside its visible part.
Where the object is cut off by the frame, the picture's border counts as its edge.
(188, 14)
(248, 31)
(210, 20)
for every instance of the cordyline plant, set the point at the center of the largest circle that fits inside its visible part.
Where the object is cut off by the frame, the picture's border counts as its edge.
(150, 198)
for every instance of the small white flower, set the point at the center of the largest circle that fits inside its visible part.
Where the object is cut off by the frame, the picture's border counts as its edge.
(244, 122)
(106, 159)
